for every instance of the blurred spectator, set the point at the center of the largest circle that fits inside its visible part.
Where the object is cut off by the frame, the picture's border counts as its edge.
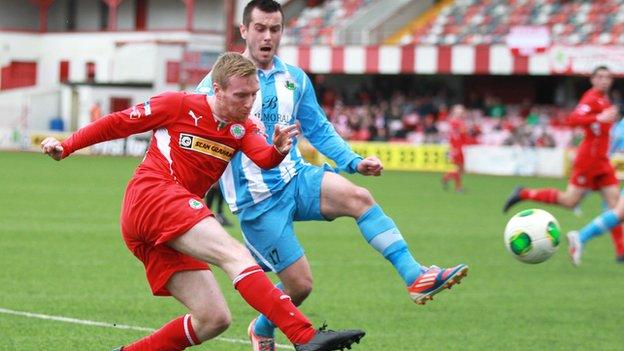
(494, 107)
(532, 118)
(95, 112)
(526, 108)
(475, 101)
(379, 115)
(545, 139)
(378, 129)
(430, 130)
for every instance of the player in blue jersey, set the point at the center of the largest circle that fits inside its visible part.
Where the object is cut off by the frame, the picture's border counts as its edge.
(298, 191)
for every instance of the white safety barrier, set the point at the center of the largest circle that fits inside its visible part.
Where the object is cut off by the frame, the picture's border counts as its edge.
(515, 160)
(16, 139)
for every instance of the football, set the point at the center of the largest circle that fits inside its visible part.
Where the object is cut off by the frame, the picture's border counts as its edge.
(532, 236)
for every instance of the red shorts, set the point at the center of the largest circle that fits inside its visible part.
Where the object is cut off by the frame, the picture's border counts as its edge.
(594, 176)
(155, 211)
(457, 157)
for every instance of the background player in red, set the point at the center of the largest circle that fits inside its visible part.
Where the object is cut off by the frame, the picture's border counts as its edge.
(458, 137)
(592, 170)
(167, 227)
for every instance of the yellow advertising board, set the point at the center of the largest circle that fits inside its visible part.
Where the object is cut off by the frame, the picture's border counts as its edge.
(37, 137)
(617, 160)
(394, 156)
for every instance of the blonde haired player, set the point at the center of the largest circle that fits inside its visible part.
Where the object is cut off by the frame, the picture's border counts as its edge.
(166, 226)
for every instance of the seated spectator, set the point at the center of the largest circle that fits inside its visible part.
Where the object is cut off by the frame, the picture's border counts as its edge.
(495, 108)
(381, 116)
(430, 130)
(544, 138)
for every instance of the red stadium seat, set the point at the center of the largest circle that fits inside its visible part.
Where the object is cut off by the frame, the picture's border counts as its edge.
(571, 22)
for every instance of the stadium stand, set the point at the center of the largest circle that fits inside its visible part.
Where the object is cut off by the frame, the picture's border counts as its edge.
(488, 22)
(316, 23)
(318, 38)
(422, 119)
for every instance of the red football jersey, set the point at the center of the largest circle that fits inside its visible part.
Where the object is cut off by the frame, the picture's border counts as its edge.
(189, 144)
(595, 145)
(458, 136)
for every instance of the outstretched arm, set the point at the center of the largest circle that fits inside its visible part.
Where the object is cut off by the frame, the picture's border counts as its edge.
(155, 113)
(321, 133)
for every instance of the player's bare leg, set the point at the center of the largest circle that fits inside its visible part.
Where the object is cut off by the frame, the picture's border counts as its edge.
(340, 197)
(618, 209)
(610, 194)
(208, 314)
(200, 293)
(209, 242)
(297, 280)
(571, 196)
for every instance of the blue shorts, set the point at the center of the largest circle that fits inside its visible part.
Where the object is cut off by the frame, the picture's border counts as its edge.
(268, 226)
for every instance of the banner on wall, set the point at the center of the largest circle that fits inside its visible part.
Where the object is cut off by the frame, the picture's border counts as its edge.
(583, 59)
(617, 159)
(515, 160)
(394, 156)
(14, 139)
(481, 159)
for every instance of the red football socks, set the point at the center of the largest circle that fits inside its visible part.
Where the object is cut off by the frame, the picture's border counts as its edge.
(173, 336)
(617, 236)
(261, 294)
(455, 176)
(547, 195)
(458, 181)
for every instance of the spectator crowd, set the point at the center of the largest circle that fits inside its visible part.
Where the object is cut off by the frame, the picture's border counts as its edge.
(423, 120)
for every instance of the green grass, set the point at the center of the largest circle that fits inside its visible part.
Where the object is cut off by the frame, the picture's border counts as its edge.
(61, 254)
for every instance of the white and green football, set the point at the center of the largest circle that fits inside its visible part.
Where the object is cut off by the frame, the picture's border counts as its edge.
(532, 236)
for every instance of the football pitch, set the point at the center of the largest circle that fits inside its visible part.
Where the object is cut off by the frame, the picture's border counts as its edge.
(67, 282)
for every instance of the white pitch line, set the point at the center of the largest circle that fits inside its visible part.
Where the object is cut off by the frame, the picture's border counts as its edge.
(113, 325)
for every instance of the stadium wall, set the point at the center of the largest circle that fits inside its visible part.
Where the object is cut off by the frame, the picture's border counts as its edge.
(493, 160)
(457, 59)
(119, 57)
(480, 159)
(132, 57)
(77, 100)
(515, 160)
(18, 105)
(18, 15)
(89, 15)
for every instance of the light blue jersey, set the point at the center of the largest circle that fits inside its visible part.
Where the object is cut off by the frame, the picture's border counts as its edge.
(286, 97)
(268, 202)
(617, 138)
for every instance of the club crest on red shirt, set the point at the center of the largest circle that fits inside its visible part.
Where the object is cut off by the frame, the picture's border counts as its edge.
(237, 131)
(196, 205)
(135, 113)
